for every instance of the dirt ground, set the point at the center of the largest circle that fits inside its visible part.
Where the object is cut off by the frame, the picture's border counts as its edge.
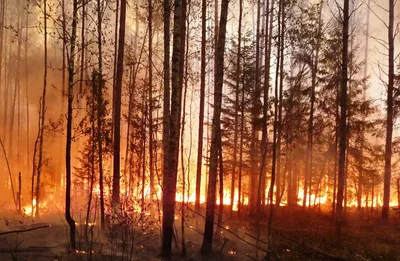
(297, 235)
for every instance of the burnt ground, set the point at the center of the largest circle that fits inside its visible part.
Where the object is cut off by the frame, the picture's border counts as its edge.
(297, 235)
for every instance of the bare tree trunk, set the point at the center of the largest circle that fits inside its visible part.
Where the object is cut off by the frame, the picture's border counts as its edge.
(151, 146)
(279, 131)
(274, 141)
(26, 88)
(362, 146)
(114, 95)
(100, 111)
(118, 94)
(343, 118)
(166, 102)
(93, 152)
(71, 70)
(64, 46)
(389, 119)
(42, 116)
(254, 124)
(201, 105)
(83, 18)
(206, 247)
(171, 172)
(268, 41)
(237, 93)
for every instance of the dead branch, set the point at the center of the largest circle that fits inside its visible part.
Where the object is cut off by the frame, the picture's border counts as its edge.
(23, 230)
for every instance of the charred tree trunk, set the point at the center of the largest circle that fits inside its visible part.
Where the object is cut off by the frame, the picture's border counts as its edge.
(254, 124)
(206, 247)
(274, 140)
(71, 71)
(43, 113)
(117, 107)
(237, 95)
(166, 102)
(343, 119)
(151, 131)
(100, 111)
(171, 172)
(389, 117)
(201, 105)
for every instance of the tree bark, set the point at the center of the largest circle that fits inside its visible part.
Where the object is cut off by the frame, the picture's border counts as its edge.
(237, 95)
(343, 121)
(201, 105)
(71, 71)
(206, 247)
(389, 118)
(100, 112)
(43, 113)
(117, 116)
(171, 172)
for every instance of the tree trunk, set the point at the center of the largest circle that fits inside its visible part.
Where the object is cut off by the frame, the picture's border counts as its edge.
(71, 70)
(254, 124)
(151, 146)
(201, 105)
(166, 102)
(100, 112)
(274, 141)
(342, 123)
(117, 116)
(43, 113)
(206, 247)
(389, 119)
(237, 93)
(171, 172)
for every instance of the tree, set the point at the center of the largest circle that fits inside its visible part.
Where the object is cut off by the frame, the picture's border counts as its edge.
(343, 119)
(206, 247)
(43, 113)
(389, 116)
(201, 105)
(117, 111)
(171, 172)
(100, 111)
(71, 71)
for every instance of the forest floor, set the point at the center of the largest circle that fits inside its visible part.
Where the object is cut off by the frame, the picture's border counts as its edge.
(297, 235)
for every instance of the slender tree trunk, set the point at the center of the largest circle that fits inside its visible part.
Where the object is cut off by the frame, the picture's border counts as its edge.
(100, 111)
(42, 116)
(254, 124)
(237, 94)
(26, 88)
(268, 41)
(71, 70)
(389, 119)
(279, 131)
(83, 46)
(171, 172)
(92, 159)
(117, 116)
(166, 102)
(64, 46)
(343, 118)
(206, 247)
(242, 117)
(274, 141)
(151, 146)
(201, 105)
(362, 146)
(114, 95)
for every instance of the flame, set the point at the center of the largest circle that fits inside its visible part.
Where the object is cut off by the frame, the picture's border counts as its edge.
(27, 210)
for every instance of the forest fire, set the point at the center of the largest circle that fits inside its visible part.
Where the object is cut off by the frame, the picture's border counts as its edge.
(257, 130)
